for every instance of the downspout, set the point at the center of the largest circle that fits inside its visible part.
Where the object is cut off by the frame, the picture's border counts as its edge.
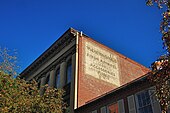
(76, 71)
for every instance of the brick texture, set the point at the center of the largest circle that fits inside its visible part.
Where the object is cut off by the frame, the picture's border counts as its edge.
(90, 87)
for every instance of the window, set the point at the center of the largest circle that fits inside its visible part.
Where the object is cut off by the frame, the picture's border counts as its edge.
(57, 80)
(113, 108)
(143, 102)
(121, 108)
(95, 111)
(69, 71)
(131, 104)
(103, 109)
(154, 102)
(116, 107)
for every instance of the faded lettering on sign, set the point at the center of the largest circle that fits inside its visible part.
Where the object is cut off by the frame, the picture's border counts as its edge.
(101, 63)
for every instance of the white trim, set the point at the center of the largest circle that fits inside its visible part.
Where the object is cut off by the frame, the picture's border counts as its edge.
(103, 109)
(155, 104)
(121, 107)
(131, 98)
(137, 103)
(76, 72)
(95, 111)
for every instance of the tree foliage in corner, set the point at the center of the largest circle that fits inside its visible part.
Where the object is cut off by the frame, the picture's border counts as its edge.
(8, 61)
(160, 74)
(19, 96)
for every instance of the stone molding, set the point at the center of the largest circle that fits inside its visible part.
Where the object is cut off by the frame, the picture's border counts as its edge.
(55, 48)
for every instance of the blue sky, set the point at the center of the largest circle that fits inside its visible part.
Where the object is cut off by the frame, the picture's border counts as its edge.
(127, 26)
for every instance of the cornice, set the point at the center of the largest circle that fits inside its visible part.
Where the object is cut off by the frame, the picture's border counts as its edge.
(57, 46)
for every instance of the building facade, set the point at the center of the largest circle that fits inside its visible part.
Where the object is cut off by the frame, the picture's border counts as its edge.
(85, 68)
(136, 96)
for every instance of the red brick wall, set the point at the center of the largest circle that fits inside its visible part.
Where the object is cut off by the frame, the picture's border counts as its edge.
(90, 87)
(114, 96)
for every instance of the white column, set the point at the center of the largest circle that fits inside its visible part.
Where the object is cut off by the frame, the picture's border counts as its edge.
(42, 84)
(52, 78)
(63, 74)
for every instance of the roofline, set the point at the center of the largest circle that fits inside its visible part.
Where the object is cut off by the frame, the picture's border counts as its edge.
(122, 56)
(47, 52)
(144, 77)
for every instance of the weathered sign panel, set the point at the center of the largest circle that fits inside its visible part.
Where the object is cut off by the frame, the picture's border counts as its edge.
(101, 63)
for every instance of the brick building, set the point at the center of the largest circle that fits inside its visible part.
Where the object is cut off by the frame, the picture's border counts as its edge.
(136, 96)
(85, 68)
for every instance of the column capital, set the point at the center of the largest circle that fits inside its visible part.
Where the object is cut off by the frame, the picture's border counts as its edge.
(63, 60)
(57, 67)
(43, 75)
(52, 68)
(73, 51)
(47, 73)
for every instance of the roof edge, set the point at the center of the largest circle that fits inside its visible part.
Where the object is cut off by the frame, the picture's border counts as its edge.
(47, 52)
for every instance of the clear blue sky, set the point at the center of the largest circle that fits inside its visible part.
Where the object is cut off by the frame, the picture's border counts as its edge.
(127, 26)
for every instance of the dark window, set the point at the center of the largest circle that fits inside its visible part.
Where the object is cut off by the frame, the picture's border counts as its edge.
(39, 84)
(69, 71)
(144, 102)
(48, 80)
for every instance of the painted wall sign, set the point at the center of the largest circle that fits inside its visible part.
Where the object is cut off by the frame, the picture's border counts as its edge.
(101, 63)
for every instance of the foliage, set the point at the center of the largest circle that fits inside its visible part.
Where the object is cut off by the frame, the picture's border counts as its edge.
(18, 96)
(160, 74)
(8, 62)
(160, 3)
